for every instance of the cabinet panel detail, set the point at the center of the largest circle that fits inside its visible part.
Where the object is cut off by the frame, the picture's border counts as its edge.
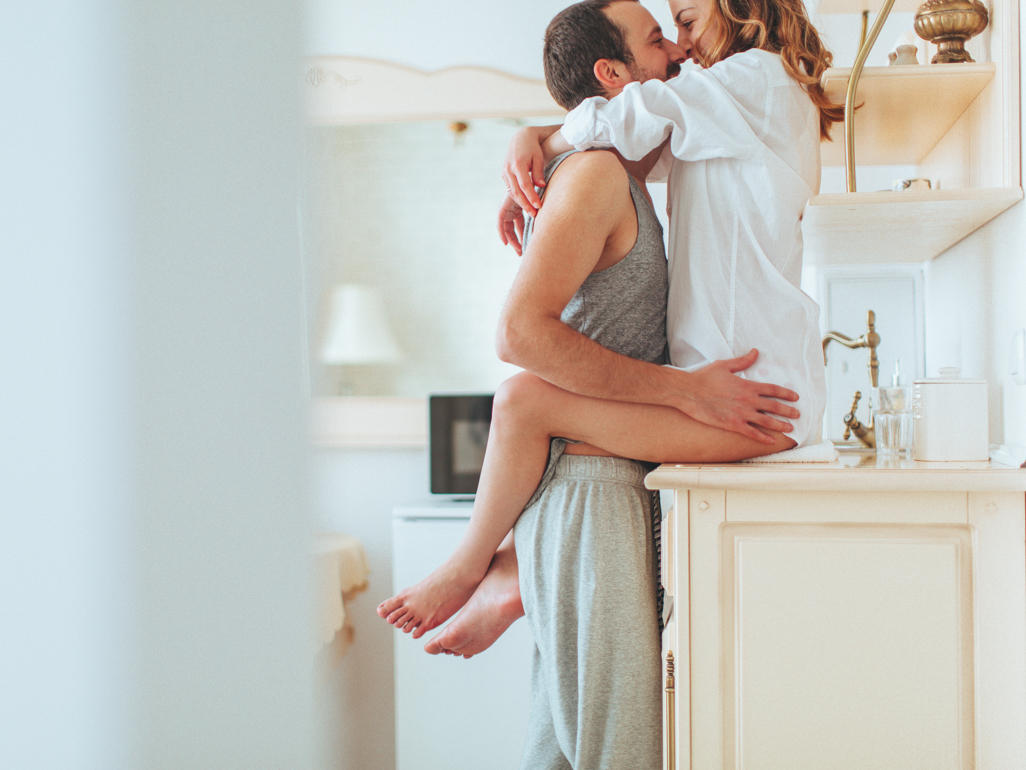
(1000, 627)
(864, 508)
(833, 635)
(677, 633)
(707, 515)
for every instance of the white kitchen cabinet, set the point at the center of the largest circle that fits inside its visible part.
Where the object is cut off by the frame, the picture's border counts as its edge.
(957, 123)
(846, 616)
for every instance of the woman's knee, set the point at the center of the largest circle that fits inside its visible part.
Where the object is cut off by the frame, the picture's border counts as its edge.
(520, 398)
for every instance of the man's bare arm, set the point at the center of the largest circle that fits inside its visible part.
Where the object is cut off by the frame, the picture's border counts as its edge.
(588, 195)
(523, 171)
(530, 149)
(524, 167)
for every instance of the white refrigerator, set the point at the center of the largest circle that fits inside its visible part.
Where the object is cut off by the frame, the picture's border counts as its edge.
(454, 713)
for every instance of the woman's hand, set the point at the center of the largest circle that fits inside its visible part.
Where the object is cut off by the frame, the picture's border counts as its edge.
(524, 167)
(511, 225)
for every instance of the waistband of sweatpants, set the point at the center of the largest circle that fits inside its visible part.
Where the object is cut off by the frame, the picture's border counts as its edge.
(599, 468)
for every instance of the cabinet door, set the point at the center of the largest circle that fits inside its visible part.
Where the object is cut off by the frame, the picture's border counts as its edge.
(844, 631)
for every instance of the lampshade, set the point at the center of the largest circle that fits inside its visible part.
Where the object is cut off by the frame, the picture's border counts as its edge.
(358, 330)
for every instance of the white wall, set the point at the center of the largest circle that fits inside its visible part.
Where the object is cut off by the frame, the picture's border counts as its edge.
(410, 208)
(447, 33)
(974, 306)
(154, 578)
(509, 37)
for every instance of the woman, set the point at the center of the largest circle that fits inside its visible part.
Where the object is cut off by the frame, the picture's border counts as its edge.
(742, 131)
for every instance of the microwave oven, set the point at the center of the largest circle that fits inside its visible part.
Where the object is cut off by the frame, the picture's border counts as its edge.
(457, 435)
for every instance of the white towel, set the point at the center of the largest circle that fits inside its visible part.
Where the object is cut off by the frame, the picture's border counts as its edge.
(340, 571)
(824, 452)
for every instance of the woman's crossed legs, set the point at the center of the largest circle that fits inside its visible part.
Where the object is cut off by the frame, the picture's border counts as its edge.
(527, 413)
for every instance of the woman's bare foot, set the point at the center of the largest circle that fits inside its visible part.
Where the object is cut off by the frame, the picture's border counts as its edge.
(489, 612)
(432, 601)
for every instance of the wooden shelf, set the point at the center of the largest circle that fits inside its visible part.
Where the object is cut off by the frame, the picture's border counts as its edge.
(906, 109)
(889, 227)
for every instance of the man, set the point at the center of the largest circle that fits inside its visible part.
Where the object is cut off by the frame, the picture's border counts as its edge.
(585, 542)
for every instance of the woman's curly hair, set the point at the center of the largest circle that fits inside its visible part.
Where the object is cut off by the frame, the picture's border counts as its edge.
(782, 27)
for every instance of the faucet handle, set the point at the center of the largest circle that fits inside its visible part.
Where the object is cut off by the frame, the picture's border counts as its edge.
(849, 419)
(855, 402)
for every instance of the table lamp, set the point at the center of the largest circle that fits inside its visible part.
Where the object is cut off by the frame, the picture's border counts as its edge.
(358, 332)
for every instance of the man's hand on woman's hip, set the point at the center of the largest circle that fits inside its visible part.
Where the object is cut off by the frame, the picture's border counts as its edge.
(716, 396)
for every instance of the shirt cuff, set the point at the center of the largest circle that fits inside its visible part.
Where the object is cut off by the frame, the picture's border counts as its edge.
(579, 128)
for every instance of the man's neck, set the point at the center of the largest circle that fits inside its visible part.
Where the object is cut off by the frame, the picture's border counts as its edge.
(640, 169)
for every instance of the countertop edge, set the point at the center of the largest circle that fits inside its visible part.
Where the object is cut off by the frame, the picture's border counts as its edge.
(821, 478)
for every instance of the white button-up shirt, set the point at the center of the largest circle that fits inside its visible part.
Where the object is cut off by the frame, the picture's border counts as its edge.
(744, 139)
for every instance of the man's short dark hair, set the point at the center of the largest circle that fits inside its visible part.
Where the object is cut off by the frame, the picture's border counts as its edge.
(575, 39)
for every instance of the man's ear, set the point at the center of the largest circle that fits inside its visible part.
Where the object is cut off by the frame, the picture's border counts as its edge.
(611, 73)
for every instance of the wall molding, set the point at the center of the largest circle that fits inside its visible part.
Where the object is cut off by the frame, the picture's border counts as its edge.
(339, 90)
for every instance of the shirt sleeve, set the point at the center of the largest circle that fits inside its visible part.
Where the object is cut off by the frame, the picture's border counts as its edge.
(661, 170)
(706, 113)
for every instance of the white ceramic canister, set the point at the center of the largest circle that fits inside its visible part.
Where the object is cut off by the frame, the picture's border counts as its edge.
(950, 416)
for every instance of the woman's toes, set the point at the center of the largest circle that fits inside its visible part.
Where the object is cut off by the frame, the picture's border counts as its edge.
(390, 605)
(398, 616)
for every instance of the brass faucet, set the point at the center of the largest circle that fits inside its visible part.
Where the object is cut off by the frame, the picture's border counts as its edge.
(864, 433)
(868, 340)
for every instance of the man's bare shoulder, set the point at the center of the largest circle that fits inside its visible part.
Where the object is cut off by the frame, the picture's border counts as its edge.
(601, 166)
(589, 177)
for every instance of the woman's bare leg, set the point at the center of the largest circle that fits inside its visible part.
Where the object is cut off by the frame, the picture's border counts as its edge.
(514, 461)
(526, 414)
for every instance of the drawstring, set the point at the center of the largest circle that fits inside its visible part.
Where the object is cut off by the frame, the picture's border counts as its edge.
(657, 537)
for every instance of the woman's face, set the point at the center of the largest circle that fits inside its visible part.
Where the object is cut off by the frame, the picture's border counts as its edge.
(698, 23)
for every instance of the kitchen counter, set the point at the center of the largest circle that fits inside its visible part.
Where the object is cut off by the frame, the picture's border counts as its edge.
(856, 470)
(858, 613)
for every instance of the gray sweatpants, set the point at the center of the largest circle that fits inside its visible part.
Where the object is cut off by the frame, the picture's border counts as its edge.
(587, 579)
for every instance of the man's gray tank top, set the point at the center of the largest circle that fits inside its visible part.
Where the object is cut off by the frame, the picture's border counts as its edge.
(623, 308)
